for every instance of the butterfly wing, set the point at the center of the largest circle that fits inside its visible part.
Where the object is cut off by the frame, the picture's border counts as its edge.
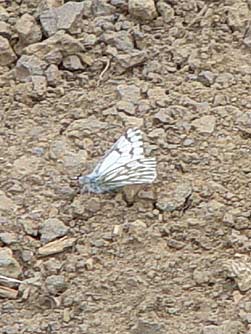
(138, 171)
(122, 165)
(127, 148)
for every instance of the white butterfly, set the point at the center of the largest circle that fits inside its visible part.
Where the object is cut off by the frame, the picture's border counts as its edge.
(124, 164)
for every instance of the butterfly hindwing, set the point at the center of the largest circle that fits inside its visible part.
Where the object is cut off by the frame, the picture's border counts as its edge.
(138, 171)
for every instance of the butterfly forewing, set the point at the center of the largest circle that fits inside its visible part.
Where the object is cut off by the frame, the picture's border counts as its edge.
(128, 147)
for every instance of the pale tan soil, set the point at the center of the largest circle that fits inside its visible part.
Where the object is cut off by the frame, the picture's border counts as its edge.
(164, 271)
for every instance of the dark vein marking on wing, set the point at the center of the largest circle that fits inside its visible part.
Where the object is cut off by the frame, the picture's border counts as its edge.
(134, 172)
(133, 140)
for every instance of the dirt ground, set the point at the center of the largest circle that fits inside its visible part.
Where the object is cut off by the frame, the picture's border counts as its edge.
(171, 257)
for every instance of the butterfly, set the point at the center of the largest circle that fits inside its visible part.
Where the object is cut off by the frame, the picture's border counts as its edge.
(124, 164)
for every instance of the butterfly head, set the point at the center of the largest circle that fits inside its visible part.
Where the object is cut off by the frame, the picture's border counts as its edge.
(88, 184)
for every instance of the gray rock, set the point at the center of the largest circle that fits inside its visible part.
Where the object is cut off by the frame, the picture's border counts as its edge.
(247, 306)
(243, 121)
(56, 47)
(121, 4)
(98, 243)
(147, 194)
(93, 205)
(188, 142)
(131, 121)
(30, 227)
(166, 11)
(205, 124)
(246, 317)
(134, 58)
(55, 284)
(103, 24)
(163, 116)
(87, 59)
(28, 30)
(137, 229)
(4, 15)
(45, 5)
(247, 38)
(39, 151)
(88, 40)
(142, 10)
(27, 255)
(7, 55)
(59, 148)
(28, 66)
(5, 30)
(85, 208)
(52, 229)
(240, 270)
(13, 328)
(78, 207)
(207, 78)
(72, 63)
(176, 198)
(129, 93)
(8, 238)
(147, 327)
(66, 17)
(39, 85)
(225, 80)
(121, 40)
(201, 276)
(232, 327)
(167, 115)
(159, 96)
(52, 266)
(53, 75)
(157, 134)
(74, 160)
(173, 243)
(79, 127)
(6, 203)
(212, 330)
(8, 265)
(101, 8)
(126, 106)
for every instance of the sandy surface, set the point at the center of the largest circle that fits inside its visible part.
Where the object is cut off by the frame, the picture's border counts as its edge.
(173, 257)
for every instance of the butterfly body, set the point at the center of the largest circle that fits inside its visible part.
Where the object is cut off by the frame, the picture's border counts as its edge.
(90, 183)
(124, 164)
